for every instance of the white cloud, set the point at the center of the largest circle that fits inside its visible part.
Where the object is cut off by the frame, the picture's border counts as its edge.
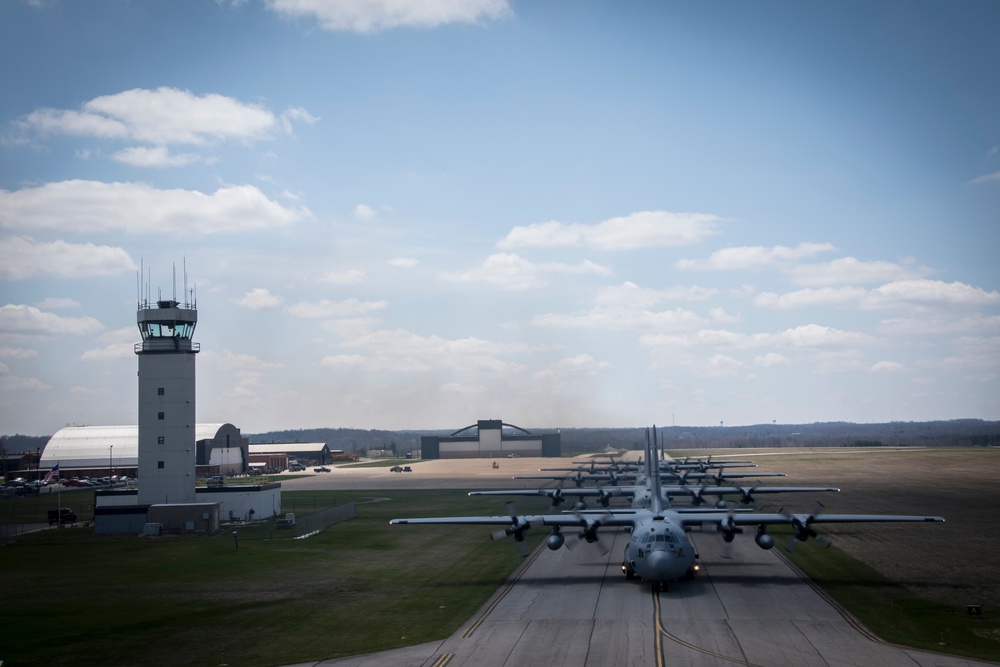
(9, 382)
(581, 364)
(30, 321)
(17, 353)
(932, 292)
(628, 306)
(404, 351)
(645, 229)
(119, 344)
(363, 212)
(246, 363)
(156, 156)
(811, 297)
(345, 277)
(771, 359)
(754, 257)
(805, 336)
(160, 117)
(403, 262)
(259, 298)
(630, 295)
(93, 206)
(22, 257)
(816, 335)
(888, 367)
(366, 16)
(612, 318)
(986, 178)
(52, 303)
(327, 308)
(851, 271)
(919, 293)
(511, 272)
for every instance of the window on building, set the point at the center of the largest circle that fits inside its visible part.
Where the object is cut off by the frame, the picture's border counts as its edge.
(160, 391)
(159, 464)
(159, 415)
(160, 440)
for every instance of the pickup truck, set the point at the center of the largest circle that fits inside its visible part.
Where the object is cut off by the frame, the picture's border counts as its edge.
(62, 515)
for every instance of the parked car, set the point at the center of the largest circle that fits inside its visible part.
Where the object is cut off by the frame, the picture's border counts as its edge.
(321, 469)
(61, 516)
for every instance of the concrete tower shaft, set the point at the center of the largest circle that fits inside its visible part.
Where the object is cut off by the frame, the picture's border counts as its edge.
(167, 417)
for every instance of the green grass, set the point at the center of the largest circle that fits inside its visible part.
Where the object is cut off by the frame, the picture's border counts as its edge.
(894, 613)
(75, 598)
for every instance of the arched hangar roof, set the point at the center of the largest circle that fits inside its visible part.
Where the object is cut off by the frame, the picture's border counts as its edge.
(88, 446)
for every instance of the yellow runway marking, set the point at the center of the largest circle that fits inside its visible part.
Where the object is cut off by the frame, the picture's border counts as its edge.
(661, 632)
(443, 659)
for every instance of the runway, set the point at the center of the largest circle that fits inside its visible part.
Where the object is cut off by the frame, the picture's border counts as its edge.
(574, 608)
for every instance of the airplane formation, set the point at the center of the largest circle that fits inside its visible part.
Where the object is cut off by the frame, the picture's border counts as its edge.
(659, 550)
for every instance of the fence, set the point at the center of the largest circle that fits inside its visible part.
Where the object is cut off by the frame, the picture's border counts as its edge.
(317, 521)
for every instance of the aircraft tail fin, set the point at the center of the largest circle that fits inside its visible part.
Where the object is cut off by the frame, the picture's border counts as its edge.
(656, 485)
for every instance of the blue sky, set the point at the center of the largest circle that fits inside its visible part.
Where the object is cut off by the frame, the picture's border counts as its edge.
(559, 214)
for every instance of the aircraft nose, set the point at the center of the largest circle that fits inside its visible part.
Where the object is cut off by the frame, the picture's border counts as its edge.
(661, 566)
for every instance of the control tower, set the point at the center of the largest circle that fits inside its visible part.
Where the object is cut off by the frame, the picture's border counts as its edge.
(166, 401)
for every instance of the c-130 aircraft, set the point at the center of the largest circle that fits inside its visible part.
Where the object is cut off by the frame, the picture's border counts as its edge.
(659, 550)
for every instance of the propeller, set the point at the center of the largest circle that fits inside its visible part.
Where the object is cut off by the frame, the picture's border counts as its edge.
(588, 532)
(557, 495)
(802, 528)
(729, 529)
(746, 495)
(516, 529)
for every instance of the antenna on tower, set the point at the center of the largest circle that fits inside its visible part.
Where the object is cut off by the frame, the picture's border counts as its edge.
(173, 287)
(187, 299)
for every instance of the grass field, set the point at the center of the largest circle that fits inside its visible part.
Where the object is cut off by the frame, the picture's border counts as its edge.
(73, 598)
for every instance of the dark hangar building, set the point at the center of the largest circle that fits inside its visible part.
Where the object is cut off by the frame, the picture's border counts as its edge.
(486, 439)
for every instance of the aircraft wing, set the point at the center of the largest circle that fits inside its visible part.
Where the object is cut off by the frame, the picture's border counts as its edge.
(802, 525)
(758, 518)
(588, 492)
(524, 521)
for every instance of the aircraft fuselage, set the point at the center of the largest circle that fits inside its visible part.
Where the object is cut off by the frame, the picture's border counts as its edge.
(659, 551)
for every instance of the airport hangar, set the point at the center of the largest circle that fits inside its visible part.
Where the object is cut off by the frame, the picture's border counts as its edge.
(490, 441)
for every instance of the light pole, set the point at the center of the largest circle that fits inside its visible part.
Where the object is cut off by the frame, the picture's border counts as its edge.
(111, 467)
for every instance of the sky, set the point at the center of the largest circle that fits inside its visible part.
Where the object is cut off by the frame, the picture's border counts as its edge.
(417, 214)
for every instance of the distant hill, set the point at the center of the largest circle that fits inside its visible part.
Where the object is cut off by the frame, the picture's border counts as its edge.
(953, 433)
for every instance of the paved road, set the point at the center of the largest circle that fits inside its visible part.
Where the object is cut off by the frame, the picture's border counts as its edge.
(575, 608)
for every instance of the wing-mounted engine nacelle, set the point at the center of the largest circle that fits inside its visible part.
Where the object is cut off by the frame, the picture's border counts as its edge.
(589, 533)
(555, 540)
(763, 539)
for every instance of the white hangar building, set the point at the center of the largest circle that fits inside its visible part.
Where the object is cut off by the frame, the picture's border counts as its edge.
(94, 450)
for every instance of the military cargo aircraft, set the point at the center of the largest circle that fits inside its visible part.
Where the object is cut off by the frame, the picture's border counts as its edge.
(659, 550)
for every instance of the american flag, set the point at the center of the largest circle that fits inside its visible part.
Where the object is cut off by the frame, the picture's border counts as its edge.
(51, 474)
